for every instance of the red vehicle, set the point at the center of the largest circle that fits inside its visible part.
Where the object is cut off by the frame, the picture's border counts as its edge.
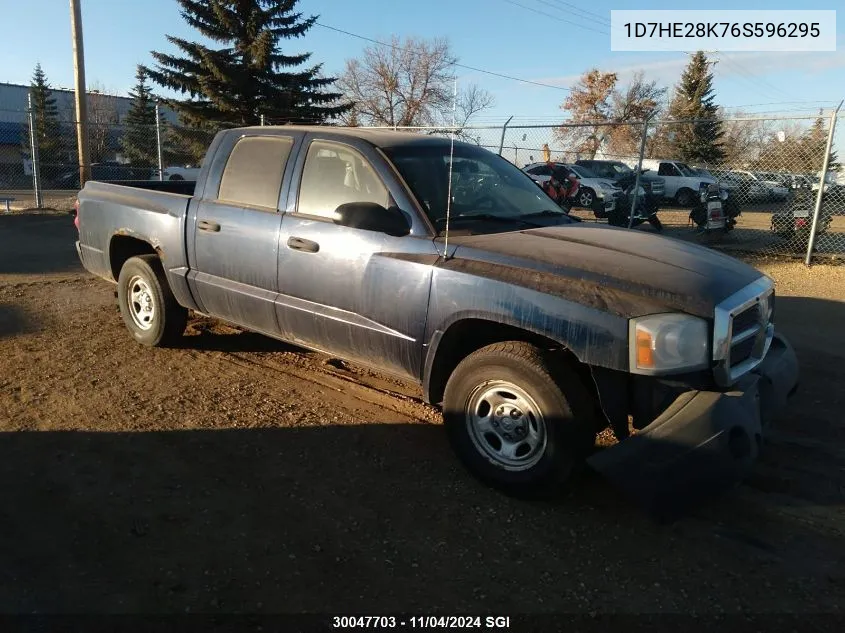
(562, 186)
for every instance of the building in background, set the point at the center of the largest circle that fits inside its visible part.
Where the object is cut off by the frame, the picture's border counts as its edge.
(105, 118)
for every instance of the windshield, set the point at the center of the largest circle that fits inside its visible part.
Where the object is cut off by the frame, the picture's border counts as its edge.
(582, 172)
(483, 183)
(685, 169)
(621, 168)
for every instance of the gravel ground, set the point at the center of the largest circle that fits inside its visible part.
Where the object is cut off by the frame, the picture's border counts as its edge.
(237, 474)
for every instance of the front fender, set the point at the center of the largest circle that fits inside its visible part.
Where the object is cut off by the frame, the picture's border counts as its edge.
(594, 336)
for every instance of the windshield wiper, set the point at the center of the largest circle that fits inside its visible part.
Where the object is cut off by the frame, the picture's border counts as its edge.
(546, 213)
(486, 217)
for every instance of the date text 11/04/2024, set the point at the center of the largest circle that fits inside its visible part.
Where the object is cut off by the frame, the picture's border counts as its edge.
(421, 622)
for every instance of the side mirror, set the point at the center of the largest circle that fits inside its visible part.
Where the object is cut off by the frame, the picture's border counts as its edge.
(371, 216)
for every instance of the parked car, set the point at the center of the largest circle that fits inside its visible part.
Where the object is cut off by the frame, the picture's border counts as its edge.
(775, 190)
(187, 172)
(775, 178)
(743, 186)
(597, 194)
(532, 332)
(681, 182)
(105, 171)
(621, 174)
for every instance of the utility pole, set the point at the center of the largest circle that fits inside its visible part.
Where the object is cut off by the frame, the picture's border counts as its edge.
(80, 94)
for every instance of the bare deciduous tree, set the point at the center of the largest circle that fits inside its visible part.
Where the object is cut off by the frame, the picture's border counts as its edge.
(102, 123)
(409, 83)
(639, 101)
(472, 100)
(596, 101)
(589, 105)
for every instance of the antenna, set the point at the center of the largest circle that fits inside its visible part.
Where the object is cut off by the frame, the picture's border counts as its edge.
(451, 160)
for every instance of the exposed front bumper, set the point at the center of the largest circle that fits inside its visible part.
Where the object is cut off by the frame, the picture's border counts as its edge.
(705, 442)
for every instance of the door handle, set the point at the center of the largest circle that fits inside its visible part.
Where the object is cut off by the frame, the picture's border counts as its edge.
(300, 244)
(206, 225)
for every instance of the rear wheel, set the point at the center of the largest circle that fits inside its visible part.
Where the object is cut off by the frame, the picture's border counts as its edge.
(148, 307)
(518, 418)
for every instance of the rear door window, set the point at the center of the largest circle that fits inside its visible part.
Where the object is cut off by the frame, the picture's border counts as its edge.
(253, 174)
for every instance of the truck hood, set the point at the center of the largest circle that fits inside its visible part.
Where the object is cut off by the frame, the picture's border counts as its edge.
(626, 272)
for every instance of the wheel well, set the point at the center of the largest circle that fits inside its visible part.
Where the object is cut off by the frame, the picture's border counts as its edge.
(123, 247)
(466, 336)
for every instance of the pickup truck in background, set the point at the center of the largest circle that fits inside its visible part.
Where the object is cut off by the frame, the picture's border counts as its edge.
(681, 182)
(532, 332)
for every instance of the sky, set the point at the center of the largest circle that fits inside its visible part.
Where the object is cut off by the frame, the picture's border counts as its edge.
(547, 41)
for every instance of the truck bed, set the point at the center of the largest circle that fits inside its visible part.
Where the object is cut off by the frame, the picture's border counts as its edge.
(115, 213)
(183, 187)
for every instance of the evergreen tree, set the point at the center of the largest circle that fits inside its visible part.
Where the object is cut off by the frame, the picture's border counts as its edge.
(139, 142)
(694, 100)
(47, 130)
(248, 75)
(812, 146)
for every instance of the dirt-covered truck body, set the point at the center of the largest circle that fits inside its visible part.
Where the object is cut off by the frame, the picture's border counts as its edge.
(442, 263)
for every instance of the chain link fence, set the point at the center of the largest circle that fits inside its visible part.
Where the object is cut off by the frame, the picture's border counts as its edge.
(773, 170)
(791, 199)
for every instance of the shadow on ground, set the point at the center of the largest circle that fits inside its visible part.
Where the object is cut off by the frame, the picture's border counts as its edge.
(265, 520)
(38, 244)
(15, 320)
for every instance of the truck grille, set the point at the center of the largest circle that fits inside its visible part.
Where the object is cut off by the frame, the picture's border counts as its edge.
(743, 331)
(657, 187)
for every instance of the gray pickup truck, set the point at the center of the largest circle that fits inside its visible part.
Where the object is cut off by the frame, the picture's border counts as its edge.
(533, 331)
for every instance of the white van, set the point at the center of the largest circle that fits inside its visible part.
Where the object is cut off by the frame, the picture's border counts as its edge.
(682, 182)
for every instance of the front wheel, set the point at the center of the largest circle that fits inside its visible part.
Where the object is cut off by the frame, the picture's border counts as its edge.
(518, 418)
(148, 307)
(685, 197)
(586, 198)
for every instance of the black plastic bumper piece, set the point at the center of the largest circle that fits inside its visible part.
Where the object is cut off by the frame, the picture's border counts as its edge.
(704, 443)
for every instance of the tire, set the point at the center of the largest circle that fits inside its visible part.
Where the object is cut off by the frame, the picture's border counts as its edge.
(586, 198)
(685, 197)
(147, 305)
(554, 433)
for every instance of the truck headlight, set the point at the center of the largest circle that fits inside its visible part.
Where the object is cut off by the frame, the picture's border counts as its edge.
(668, 343)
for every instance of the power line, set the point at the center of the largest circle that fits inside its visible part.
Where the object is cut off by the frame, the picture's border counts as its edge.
(554, 17)
(464, 66)
(761, 83)
(589, 14)
(755, 105)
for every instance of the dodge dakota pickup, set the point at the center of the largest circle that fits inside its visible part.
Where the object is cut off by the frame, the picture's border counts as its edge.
(442, 263)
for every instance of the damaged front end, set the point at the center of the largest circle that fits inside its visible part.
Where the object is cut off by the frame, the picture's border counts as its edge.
(695, 436)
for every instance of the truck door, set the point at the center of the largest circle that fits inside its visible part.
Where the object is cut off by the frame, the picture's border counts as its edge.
(355, 293)
(672, 178)
(236, 234)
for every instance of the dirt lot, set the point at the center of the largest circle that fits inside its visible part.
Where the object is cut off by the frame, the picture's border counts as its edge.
(236, 474)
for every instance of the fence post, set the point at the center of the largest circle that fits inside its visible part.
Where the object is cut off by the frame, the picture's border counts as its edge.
(262, 120)
(502, 141)
(811, 243)
(158, 144)
(636, 191)
(33, 149)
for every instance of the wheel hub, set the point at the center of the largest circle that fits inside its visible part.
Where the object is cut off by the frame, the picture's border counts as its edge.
(506, 425)
(140, 302)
